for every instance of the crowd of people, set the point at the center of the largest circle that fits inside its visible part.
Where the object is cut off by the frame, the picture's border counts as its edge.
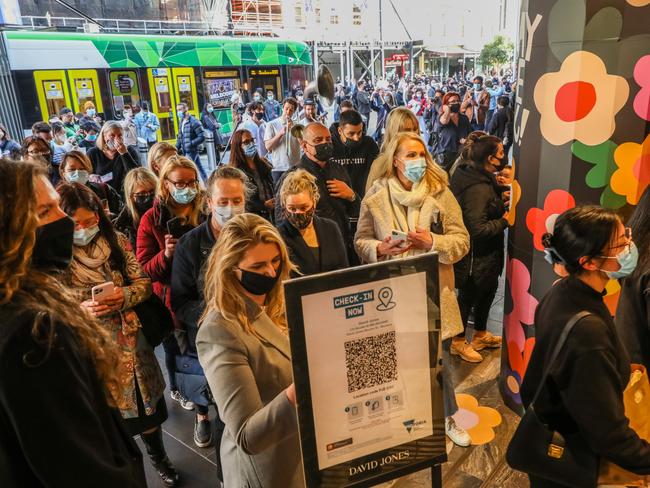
(100, 254)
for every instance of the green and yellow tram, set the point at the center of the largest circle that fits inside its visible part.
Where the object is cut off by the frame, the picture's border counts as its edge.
(52, 70)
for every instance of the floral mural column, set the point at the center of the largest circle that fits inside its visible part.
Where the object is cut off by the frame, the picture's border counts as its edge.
(582, 135)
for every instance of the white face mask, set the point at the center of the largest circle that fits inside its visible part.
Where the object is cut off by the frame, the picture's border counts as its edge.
(223, 214)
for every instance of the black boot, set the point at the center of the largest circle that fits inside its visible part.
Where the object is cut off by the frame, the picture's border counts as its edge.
(159, 459)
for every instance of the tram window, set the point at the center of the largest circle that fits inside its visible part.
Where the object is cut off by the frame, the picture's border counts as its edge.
(184, 84)
(84, 91)
(54, 96)
(162, 93)
(124, 88)
(220, 86)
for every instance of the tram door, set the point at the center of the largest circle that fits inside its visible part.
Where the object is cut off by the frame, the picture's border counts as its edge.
(163, 101)
(52, 90)
(85, 88)
(266, 79)
(185, 90)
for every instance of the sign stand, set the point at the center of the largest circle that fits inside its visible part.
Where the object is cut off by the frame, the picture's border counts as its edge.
(365, 346)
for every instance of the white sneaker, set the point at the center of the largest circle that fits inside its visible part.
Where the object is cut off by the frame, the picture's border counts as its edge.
(177, 396)
(458, 435)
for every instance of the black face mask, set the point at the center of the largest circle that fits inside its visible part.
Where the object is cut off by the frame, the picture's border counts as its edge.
(300, 220)
(324, 151)
(256, 283)
(455, 108)
(53, 246)
(352, 144)
(143, 203)
(259, 115)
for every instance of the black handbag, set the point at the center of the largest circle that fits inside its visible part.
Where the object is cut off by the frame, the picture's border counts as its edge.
(536, 449)
(156, 319)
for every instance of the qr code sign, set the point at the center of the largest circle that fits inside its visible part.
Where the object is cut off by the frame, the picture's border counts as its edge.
(371, 361)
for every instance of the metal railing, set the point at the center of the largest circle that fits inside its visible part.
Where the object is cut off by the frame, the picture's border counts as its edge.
(132, 26)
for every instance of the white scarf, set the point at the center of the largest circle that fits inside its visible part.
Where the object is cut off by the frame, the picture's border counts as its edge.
(411, 201)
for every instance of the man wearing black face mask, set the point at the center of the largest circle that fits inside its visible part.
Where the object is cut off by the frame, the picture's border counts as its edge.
(338, 201)
(256, 125)
(353, 150)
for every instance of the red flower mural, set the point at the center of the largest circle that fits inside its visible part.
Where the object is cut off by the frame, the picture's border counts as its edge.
(540, 221)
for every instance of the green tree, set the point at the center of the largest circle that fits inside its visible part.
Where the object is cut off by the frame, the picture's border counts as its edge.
(496, 53)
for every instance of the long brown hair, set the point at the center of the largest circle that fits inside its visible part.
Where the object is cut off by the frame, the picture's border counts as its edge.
(30, 289)
(223, 292)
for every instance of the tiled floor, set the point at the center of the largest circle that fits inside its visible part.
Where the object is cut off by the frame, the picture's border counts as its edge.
(473, 467)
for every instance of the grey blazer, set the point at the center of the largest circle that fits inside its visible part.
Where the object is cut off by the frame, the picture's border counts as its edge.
(248, 375)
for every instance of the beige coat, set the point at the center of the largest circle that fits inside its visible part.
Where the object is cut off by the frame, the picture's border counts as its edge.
(376, 223)
(248, 376)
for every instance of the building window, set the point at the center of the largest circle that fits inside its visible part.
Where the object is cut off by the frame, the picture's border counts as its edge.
(356, 15)
(334, 18)
(299, 17)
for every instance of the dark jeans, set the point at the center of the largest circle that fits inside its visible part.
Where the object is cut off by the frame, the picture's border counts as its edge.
(170, 345)
(448, 393)
(197, 160)
(276, 175)
(477, 299)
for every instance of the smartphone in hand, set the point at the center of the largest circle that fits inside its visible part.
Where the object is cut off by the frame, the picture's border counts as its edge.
(176, 227)
(398, 235)
(100, 292)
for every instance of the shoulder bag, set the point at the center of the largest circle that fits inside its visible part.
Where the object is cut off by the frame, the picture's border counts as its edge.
(539, 450)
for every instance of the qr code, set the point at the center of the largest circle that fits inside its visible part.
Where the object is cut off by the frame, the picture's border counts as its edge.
(371, 361)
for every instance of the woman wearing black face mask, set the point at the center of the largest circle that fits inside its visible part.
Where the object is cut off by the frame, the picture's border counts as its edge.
(477, 274)
(52, 353)
(315, 243)
(244, 350)
(452, 128)
(140, 190)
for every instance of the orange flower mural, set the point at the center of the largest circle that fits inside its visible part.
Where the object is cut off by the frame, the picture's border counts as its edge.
(633, 174)
(479, 422)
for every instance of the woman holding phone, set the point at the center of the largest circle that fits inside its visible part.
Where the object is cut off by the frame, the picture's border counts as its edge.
(176, 210)
(109, 282)
(410, 211)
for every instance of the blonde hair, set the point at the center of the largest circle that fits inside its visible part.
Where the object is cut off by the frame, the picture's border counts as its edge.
(137, 176)
(106, 128)
(434, 176)
(80, 157)
(223, 291)
(299, 181)
(88, 105)
(398, 120)
(171, 164)
(159, 153)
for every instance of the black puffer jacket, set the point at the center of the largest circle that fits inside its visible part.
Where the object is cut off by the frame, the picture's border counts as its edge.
(479, 196)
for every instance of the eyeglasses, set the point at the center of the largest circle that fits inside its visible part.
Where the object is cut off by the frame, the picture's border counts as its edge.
(180, 185)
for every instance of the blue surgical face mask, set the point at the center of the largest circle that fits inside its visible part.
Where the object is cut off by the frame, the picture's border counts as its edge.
(77, 176)
(627, 259)
(477, 86)
(210, 109)
(184, 196)
(250, 150)
(269, 97)
(91, 137)
(83, 237)
(414, 169)
(180, 114)
(90, 112)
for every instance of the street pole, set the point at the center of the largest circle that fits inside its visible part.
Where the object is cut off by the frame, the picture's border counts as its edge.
(381, 41)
